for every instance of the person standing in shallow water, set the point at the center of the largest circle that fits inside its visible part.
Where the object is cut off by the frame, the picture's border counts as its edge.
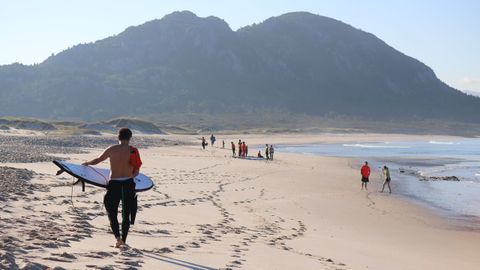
(271, 151)
(125, 164)
(386, 175)
(365, 172)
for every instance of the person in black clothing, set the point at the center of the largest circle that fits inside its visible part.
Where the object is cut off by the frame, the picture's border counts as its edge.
(125, 164)
(233, 148)
(120, 190)
(240, 148)
(204, 143)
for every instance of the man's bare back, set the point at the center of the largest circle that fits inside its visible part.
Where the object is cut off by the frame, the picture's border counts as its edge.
(120, 166)
(119, 156)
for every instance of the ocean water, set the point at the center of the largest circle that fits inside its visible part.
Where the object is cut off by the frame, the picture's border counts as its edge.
(411, 161)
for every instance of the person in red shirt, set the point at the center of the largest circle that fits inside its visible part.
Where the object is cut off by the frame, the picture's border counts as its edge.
(365, 172)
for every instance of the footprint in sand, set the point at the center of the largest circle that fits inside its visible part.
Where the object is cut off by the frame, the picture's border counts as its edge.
(180, 247)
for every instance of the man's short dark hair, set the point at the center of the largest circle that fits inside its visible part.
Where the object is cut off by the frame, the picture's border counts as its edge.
(124, 134)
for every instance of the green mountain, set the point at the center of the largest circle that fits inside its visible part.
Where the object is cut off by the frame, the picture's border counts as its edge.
(294, 64)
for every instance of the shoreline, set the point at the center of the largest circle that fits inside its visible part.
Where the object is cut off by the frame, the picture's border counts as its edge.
(457, 220)
(430, 179)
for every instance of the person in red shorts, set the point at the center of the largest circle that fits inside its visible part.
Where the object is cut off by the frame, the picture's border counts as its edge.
(365, 172)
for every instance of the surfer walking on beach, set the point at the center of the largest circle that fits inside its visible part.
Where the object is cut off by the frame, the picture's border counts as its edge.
(365, 172)
(386, 174)
(125, 164)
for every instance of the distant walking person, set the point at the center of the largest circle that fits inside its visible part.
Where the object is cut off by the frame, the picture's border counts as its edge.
(233, 148)
(246, 150)
(365, 171)
(267, 150)
(386, 175)
(204, 143)
(271, 151)
(223, 144)
(212, 140)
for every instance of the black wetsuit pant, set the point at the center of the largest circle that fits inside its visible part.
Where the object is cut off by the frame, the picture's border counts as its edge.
(120, 191)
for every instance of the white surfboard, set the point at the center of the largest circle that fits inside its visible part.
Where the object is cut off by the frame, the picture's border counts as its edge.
(98, 176)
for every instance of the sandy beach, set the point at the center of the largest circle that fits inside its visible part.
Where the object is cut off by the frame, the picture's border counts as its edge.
(211, 211)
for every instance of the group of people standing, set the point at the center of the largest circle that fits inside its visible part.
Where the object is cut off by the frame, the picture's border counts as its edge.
(365, 172)
(269, 151)
(242, 149)
(212, 141)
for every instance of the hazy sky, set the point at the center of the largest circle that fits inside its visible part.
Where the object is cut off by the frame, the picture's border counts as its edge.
(444, 34)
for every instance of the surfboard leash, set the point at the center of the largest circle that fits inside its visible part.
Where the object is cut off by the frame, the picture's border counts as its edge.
(73, 205)
(71, 197)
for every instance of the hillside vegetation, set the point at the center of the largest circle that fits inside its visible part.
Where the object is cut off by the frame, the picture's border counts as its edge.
(297, 65)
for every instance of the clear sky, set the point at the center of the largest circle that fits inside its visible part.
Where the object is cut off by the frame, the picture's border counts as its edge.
(444, 34)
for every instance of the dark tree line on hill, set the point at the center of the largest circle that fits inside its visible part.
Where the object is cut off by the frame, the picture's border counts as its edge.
(297, 63)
